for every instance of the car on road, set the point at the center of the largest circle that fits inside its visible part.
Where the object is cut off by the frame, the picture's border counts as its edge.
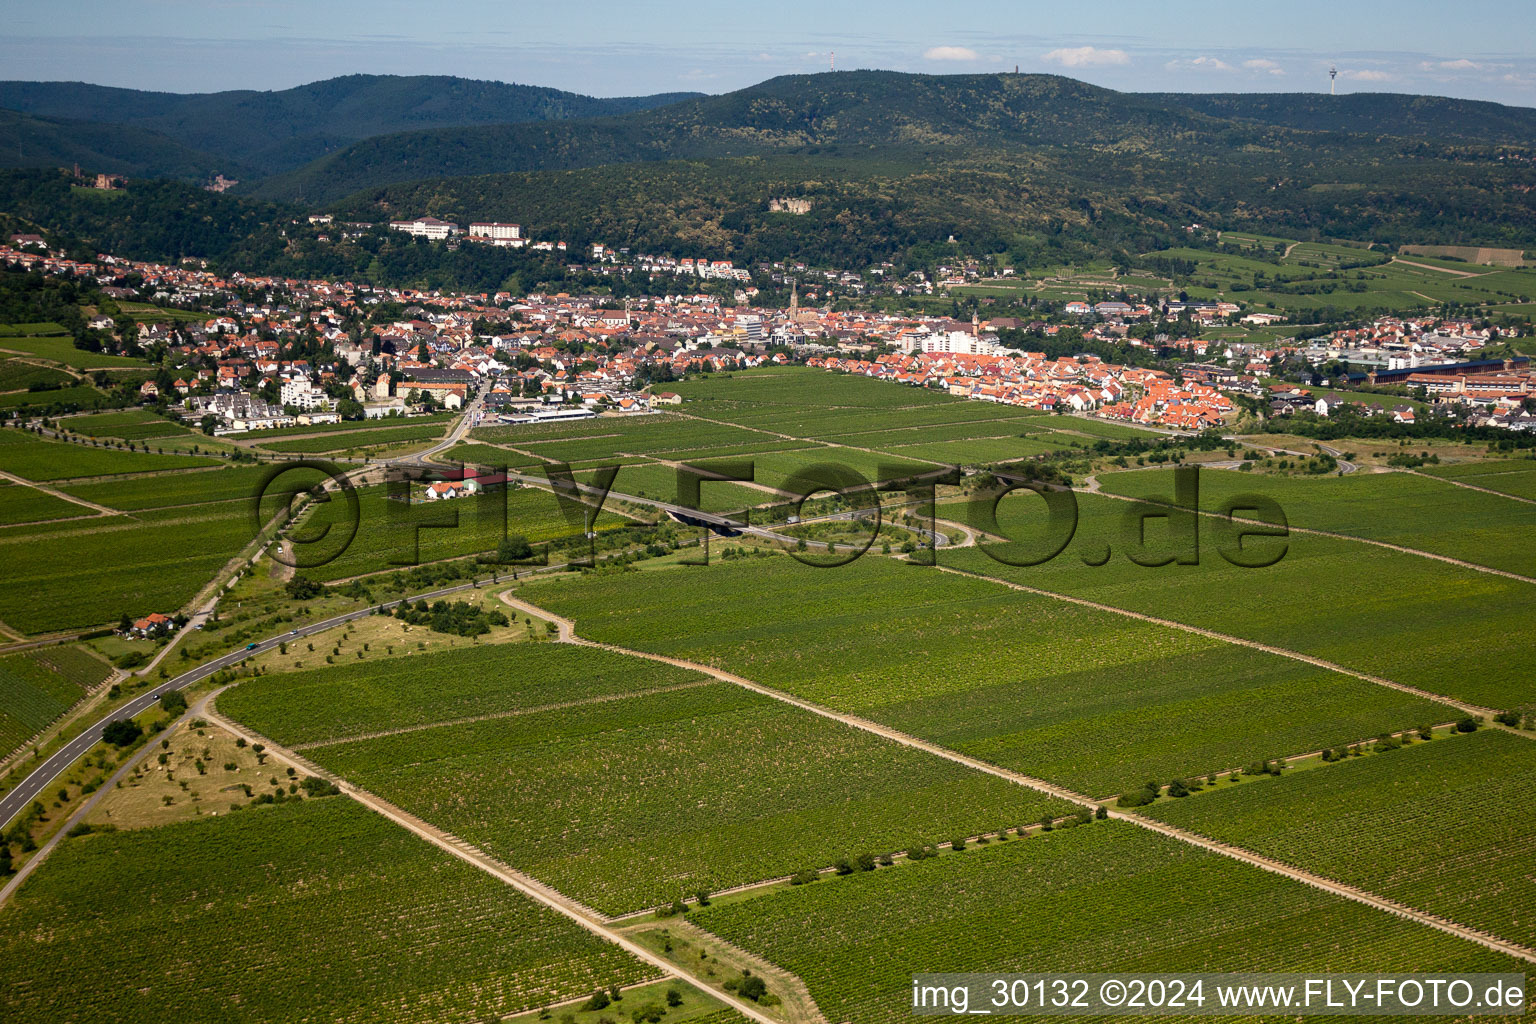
(250, 647)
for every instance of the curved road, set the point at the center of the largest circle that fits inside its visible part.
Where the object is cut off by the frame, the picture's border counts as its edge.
(46, 774)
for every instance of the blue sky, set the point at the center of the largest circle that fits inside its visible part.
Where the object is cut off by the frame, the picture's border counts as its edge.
(1480, 49)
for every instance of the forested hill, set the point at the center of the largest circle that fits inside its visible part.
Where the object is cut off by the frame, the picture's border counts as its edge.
(1394, 114)
(889, 115)
(28, 141)
(883, 113)
(280, 130)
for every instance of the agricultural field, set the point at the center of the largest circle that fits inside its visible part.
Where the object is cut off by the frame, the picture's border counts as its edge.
(36, 687)
(48, 341)
(22, 504)
(133, 425)
(87, 572)
(347, 425)
(659, 483)
(393, 929)
(45, 460)
(708, 786)
(1516, 477)
(1108, 894)
(1413, 804)
(18, 375)
(167, 490)
(1414, 620)
(1406, 509)
(392, 534)
(1082, 698)
(610, 435)
(79, 394)
(347, 440)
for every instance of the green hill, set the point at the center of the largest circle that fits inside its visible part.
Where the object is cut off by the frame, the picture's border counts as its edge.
(272, 131)
(27, 141)
(1395, 114)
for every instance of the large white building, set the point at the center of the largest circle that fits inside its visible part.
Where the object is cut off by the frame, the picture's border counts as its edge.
(425, 227)
(493, 233)
(302, 393)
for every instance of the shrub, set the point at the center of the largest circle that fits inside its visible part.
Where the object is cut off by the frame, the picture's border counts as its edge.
(120, 732)
(1468, 724)
(805, 876)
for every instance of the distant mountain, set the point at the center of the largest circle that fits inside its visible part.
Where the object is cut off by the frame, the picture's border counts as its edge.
(275, 131)
(27, 141)
(1395, 114)
(886, 114)
(880, 112)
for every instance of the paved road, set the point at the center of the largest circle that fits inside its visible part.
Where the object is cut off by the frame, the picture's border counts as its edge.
(45, 775)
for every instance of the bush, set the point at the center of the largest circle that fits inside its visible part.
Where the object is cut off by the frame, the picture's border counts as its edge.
(1468, 724)
(1509, 718)
(599, 1001)
(805, 877)
(174, 702)
(120, 732)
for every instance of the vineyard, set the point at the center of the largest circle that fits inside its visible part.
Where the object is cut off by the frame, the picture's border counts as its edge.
(1109, 895)
(38, 459)
(392, 534)
(171, 489)
(1517, 478)
(132, 425)
(39, 686)
(87, 572)
(352, 700)
(1445, 826)
(349, 439)
(392, 928)
(1398, 508)
(21, 504)
(707, 787)
(1426, 615)
(1083, 698)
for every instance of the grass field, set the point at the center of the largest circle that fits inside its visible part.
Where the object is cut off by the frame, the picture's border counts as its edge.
(1410, 619)
(1445, 826)
(1109, 895)
(1397, 508)
(44, 460)
(38, 686)
(388, 928)
(1079, 697)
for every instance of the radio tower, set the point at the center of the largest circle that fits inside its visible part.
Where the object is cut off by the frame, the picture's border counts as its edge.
(1333, 81)
(832, 61)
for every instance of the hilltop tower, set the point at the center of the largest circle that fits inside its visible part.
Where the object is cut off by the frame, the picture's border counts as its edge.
(1333, 81)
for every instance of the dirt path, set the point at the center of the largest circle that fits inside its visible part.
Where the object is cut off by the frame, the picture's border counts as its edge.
(1428, 266)
(567, 634)
(1472, 487)
(577, 912)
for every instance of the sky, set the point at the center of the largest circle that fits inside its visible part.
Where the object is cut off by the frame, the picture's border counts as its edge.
(1476, 49)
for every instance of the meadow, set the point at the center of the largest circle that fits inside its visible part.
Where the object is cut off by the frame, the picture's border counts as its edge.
(1429, 624)
(1083, 698)
(635, 802)
(1397, 508)
(1110, 896)
(38, 686)
(393, 929)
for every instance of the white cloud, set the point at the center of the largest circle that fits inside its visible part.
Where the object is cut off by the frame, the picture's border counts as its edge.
(1367, 76)
(1265, 65)
(950, 53)
(1086, 57)
(1459, 65)
(1199, 64)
